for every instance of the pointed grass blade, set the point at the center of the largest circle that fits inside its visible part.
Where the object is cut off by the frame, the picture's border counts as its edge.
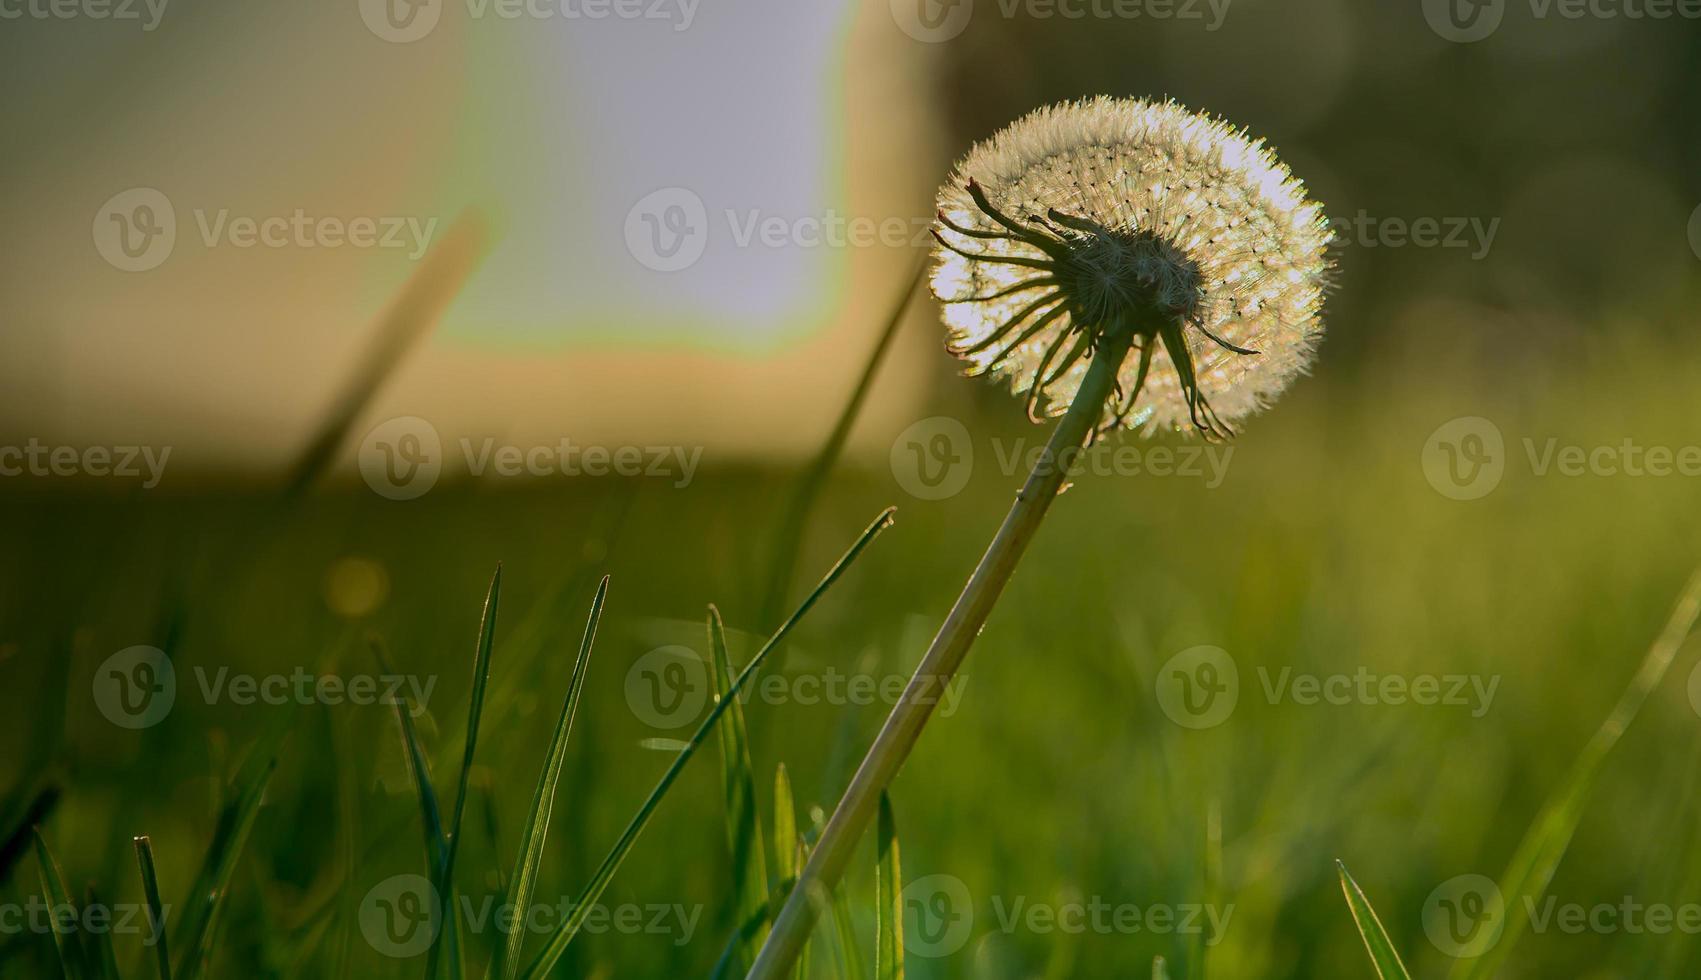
(1544, 844)
(156, 910)
(206, 899)
(1382, 953)
(64, 933)
(888, 897)
(524, 879)
(1160, 970)
(547, 958)
(738, 782)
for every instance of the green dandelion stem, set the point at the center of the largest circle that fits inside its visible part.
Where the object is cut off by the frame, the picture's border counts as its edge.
(944, 656)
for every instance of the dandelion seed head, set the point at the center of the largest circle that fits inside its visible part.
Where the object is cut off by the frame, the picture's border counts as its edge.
(1124, 214)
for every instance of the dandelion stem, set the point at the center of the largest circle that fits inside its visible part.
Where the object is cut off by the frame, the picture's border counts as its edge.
(944, 656)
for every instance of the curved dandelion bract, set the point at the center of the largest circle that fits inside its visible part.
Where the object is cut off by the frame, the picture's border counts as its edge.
(1123, 214)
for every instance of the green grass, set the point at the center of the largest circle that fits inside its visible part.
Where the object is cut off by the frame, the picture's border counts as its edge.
(1323, 551)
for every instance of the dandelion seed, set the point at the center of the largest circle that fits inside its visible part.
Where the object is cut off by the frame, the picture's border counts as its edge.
(1122, 215)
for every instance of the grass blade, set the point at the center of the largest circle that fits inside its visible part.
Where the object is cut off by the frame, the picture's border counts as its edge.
(850, 955)
(97, 944)
(888, 898)
(543, 801)
(1382, 953)
(443, 873)
(64, 937)
(738, 781)
(1544, 844)
(785, 825)
(551, 953)
(156, 910)
(726, 963)
(790, 535)
(1160, 971)
(419, 770)
(236, 819)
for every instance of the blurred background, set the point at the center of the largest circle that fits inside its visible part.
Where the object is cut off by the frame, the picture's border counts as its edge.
(316, 313)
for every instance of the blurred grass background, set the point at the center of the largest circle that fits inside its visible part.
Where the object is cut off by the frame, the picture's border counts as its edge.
(1325, 548)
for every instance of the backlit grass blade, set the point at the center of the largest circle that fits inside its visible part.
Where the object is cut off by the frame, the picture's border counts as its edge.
(738, 783)
(790, 534)
(726, 964)
(547, 958)
(1539, 853)
(430, 814)
(64, 934)
(419, 770)
(888, 897)
(1376, 942)
(524, 879)
(156, 909)
(785, 825)
(850, 954)
(443, 874)
(1160, 971)
(788, 851)
(97, 943)
(199, 925)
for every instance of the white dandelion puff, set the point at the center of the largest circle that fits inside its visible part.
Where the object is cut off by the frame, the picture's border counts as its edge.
(1125, 215)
